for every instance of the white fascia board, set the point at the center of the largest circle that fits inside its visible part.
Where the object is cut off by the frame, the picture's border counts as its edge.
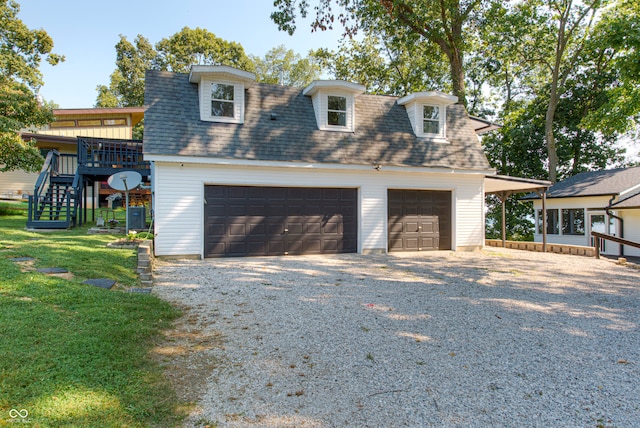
(220, 72)
(434, 97)
(337, 85)
(307, 165)
(629, 190)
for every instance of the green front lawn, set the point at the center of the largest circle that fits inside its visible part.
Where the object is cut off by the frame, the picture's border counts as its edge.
(73, 354)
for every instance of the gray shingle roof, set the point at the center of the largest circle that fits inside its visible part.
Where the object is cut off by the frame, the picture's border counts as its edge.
(383, 133)
(628, 202)
(596, 183)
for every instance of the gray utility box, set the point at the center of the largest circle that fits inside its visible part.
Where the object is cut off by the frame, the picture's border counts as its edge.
(136, 217)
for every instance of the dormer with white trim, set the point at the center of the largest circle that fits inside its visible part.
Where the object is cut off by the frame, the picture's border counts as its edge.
(334, 104)
(428, 113)
(221, 92)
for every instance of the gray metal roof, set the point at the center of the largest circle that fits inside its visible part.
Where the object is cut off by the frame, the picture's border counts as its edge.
(609, 182)
(383, 133)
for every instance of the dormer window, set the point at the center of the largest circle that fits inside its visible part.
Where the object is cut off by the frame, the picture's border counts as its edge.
(334, 104)
(337, 111)
(222, 96)
(221, 92)
(431, 119)
(428, 113)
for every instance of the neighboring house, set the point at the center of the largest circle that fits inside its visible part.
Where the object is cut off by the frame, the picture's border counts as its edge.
(244, 168)
(61, 135)
(602, 201)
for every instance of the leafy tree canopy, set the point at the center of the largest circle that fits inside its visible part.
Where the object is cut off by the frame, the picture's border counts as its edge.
(21, 52)
(283, 66)
(448, 26)
(199, 46)
(195, 46)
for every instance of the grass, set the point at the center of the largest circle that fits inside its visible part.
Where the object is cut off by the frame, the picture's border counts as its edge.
(73, 354)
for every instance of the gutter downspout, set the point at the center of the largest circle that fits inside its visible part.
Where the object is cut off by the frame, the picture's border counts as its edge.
(620, 219)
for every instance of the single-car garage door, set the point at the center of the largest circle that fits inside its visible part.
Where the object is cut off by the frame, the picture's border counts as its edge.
(419, 220)
(267, 221)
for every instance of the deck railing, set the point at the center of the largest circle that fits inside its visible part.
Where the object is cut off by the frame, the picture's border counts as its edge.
(108, 153)
(598, 236)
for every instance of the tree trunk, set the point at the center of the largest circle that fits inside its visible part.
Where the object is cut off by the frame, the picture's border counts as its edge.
(457, 76)
(549, 136)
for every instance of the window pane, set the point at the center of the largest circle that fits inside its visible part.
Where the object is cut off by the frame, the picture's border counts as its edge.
(597, 223)
(89, 122)
(431, 127)
(222, 108)
(337, 103)
(115, 122)
(573, 222)
(553, 228)
(612, 226)
(63, 124)
(337, 118)
(431, 112)
(539, 222)
(221, 91)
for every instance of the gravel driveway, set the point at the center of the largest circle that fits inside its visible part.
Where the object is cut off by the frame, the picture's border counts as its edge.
(494, 338)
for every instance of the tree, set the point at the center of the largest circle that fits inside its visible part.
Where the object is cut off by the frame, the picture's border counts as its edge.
(284, 66)
(126, 87)
(549, 41)
(387, 65)
(518, 149)
(199, 46)
(21, 52)
(176, 53)
(444, 24)
(617, 41)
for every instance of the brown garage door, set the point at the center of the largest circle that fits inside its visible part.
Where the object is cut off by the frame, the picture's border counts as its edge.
(419, 220)
(267, 221)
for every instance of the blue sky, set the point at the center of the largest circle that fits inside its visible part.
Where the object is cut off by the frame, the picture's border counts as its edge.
(86, 32)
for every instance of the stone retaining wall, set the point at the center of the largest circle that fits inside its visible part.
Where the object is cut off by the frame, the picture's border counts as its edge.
(577, 250)
(145, 263)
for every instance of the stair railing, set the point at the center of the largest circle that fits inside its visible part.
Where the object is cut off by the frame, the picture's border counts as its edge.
(42, 184)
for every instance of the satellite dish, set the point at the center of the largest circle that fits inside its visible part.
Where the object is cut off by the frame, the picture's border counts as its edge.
(125, 180)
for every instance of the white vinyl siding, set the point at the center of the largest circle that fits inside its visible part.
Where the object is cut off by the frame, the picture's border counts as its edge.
(631, 230)
(179, 190)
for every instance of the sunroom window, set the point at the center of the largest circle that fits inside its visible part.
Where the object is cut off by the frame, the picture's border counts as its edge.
(573, 221)
(553, 225)
(222, 100)
(337, 111)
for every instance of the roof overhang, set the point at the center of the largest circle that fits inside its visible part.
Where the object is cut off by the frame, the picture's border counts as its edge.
(629, 203)
(505, 183)
(333, 85)
(220, 72)
(482, 126)
(434, 97)
(137, 113)
(45, 138)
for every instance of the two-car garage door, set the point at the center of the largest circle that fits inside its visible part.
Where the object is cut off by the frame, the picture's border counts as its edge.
(265, 221)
